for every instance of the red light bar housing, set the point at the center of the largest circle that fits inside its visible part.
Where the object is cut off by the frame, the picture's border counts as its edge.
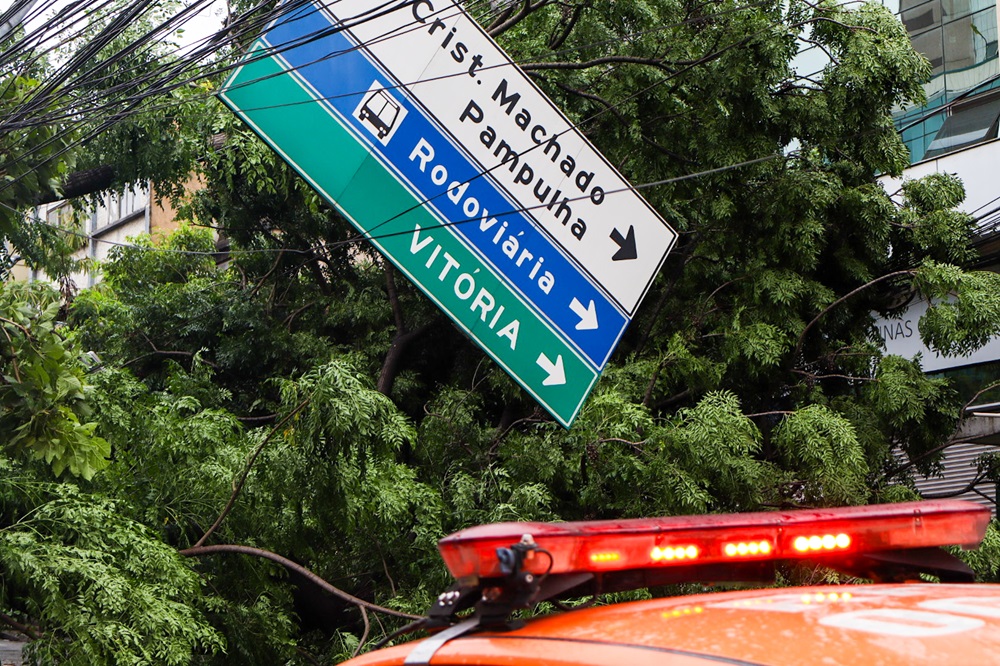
(604, 546)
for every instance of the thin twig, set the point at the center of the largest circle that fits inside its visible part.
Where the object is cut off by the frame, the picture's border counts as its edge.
(260, 283)
(914, 461)
(596, 62)
(158, 352)
(887, 276)
(13, 357)
(813, 375)
(961, 491)
(973, 399)
(364, 635)
(238, 487)
(774, 413)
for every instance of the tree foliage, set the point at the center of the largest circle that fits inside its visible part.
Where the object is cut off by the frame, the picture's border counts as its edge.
(308, 402)
(44, 407)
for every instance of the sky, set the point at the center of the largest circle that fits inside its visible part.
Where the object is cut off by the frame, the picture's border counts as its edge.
(207, 21)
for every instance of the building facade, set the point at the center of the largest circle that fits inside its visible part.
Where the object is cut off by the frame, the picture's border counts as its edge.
(955, 132)
(117, 218)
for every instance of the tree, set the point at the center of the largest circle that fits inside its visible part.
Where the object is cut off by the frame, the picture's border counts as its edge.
(85, 583)
(44, 409)
(308, 411)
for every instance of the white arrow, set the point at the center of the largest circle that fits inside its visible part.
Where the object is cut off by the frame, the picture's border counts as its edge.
(587, 315)
(557, 375)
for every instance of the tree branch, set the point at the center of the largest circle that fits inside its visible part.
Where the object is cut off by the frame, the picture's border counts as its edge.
(813, 375)
(13, 357)
(290, 318)
(498, 28)
(274, 267)
(198, 551)
(159, 352)
(556, 42)
(961, 491)
(913, 461)
(973, 399)
(364, 634)
(393, 292)
(596, 98)
(636, 446)
(28, 631)
(238, 487)
(255, 419)
(648, 395)
(774, 413)
(606, 60)
(403, 337)
(670, 400)
(887, 276)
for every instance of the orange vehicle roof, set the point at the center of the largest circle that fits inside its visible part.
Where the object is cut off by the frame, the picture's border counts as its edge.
(857, 624)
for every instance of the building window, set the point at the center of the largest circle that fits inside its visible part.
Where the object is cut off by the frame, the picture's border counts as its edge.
(61, 216)
(959, 38)
(966, 124)
(117, 207)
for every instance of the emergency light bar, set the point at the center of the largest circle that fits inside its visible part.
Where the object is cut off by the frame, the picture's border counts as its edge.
(649, 543)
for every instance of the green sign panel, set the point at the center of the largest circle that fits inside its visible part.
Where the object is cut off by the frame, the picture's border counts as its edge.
(330, 152)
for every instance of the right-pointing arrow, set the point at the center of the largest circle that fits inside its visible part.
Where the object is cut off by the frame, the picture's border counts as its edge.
(557, 374)
(626, 244)
(587, 315)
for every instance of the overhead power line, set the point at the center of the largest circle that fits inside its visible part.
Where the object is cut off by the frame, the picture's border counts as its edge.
(369, 236)
(170, 79)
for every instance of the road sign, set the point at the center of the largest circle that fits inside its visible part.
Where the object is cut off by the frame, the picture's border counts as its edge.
(337, 70)
(336, 158)
(459, 75)
(410, 173)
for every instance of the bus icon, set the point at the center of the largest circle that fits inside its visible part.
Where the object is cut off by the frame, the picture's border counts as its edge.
(379, 112)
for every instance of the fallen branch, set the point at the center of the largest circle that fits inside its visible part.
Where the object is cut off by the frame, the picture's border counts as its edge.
(20, 628)
(198, 551)
(238, 487)
(802, 336)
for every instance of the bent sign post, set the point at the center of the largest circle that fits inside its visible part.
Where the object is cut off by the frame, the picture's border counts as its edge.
(425, 195)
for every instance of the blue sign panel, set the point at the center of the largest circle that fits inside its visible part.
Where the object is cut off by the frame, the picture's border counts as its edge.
(427, 158)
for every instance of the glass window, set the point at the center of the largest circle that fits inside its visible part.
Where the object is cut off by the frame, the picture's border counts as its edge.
(918, 16)
(968, 380)
(967, 124)
(959, 45)
(929, 44)
(952, 9)
(959, 38)
(61, 216)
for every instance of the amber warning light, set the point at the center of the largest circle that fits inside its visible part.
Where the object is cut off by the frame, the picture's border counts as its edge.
(647, 543)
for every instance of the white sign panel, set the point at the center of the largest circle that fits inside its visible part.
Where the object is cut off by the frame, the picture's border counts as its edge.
(462, 79)
(902, 338)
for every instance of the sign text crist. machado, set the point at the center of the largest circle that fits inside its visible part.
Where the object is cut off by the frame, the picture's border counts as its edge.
(340, 166)
(461, 77)
(425, 157)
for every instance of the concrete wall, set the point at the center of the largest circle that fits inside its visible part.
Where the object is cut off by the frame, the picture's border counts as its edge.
(10, 653)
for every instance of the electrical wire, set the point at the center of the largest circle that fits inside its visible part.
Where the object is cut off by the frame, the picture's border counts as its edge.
(279, 48)
(117, 117)
(612, 107)
(291, 6)
(367, 236)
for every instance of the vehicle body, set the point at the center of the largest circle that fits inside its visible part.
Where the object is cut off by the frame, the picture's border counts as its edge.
(890, 625)
(887, 623)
